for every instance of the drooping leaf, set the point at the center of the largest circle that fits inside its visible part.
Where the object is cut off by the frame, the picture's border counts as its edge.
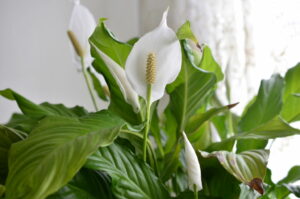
(55, 151)
(102, 38)
(131, 178)
(291, 103)
(8, 136)
(248, 167)
(190, 89)
(36, 111)
(86, 184)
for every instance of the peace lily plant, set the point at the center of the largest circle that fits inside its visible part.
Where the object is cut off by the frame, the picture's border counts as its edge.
(192, 147)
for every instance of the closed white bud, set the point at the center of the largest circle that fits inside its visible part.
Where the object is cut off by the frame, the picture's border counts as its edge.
(193, 166)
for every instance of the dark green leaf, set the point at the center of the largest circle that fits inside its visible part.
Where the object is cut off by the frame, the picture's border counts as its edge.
(8, 136)
(131, 178)
(54, 152)
(86, 184)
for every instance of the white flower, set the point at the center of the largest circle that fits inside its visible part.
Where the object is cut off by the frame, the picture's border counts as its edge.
(164, 46)
(193, 166)
(119, 75)
(82, 25)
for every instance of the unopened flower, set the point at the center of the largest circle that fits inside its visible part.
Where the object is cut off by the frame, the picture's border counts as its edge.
(82, 25)
(118, 73)
(193, 166)
(163, 48)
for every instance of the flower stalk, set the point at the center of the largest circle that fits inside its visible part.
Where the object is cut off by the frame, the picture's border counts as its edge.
(150, 79)
(84, 72)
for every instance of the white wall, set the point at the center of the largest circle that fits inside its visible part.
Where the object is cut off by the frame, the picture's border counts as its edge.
(35, 58)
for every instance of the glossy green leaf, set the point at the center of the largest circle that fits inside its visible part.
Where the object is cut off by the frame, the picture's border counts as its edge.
(86, 184)
(245, 166)
(118, 51)
(131, 178)
(190, 89)
(8, 136)
(291, 103)
(97, 86)
(55, 151)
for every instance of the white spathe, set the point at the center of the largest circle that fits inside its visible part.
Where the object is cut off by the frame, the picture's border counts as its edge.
(193, 166)
(118, 73)
(161, 41)
(82, 24)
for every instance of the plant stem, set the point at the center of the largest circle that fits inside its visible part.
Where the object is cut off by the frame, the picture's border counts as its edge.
(88, 83)
(195, 191)
(146, 129)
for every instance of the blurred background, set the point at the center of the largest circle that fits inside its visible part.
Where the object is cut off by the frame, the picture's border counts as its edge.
(251, 39)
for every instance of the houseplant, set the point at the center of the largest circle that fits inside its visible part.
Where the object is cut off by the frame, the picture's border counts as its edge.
(193, 147)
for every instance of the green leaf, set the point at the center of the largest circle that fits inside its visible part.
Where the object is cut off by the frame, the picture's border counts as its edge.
(35, 111)
(198, 119)
(86, 184)
(55, 151)
(245, 166)
(131, 178)
(266, 106)
(97, 86)
(185, 32)
(22, 122)
(8, 136)
(104, 41)
(293, 176)
(208, 63)
(293, 189)
(291, 103)
(190, 89)
(273, 129)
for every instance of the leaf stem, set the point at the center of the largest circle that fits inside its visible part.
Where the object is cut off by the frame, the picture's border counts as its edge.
(83, 68)
(146, 129)
(195, 191)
